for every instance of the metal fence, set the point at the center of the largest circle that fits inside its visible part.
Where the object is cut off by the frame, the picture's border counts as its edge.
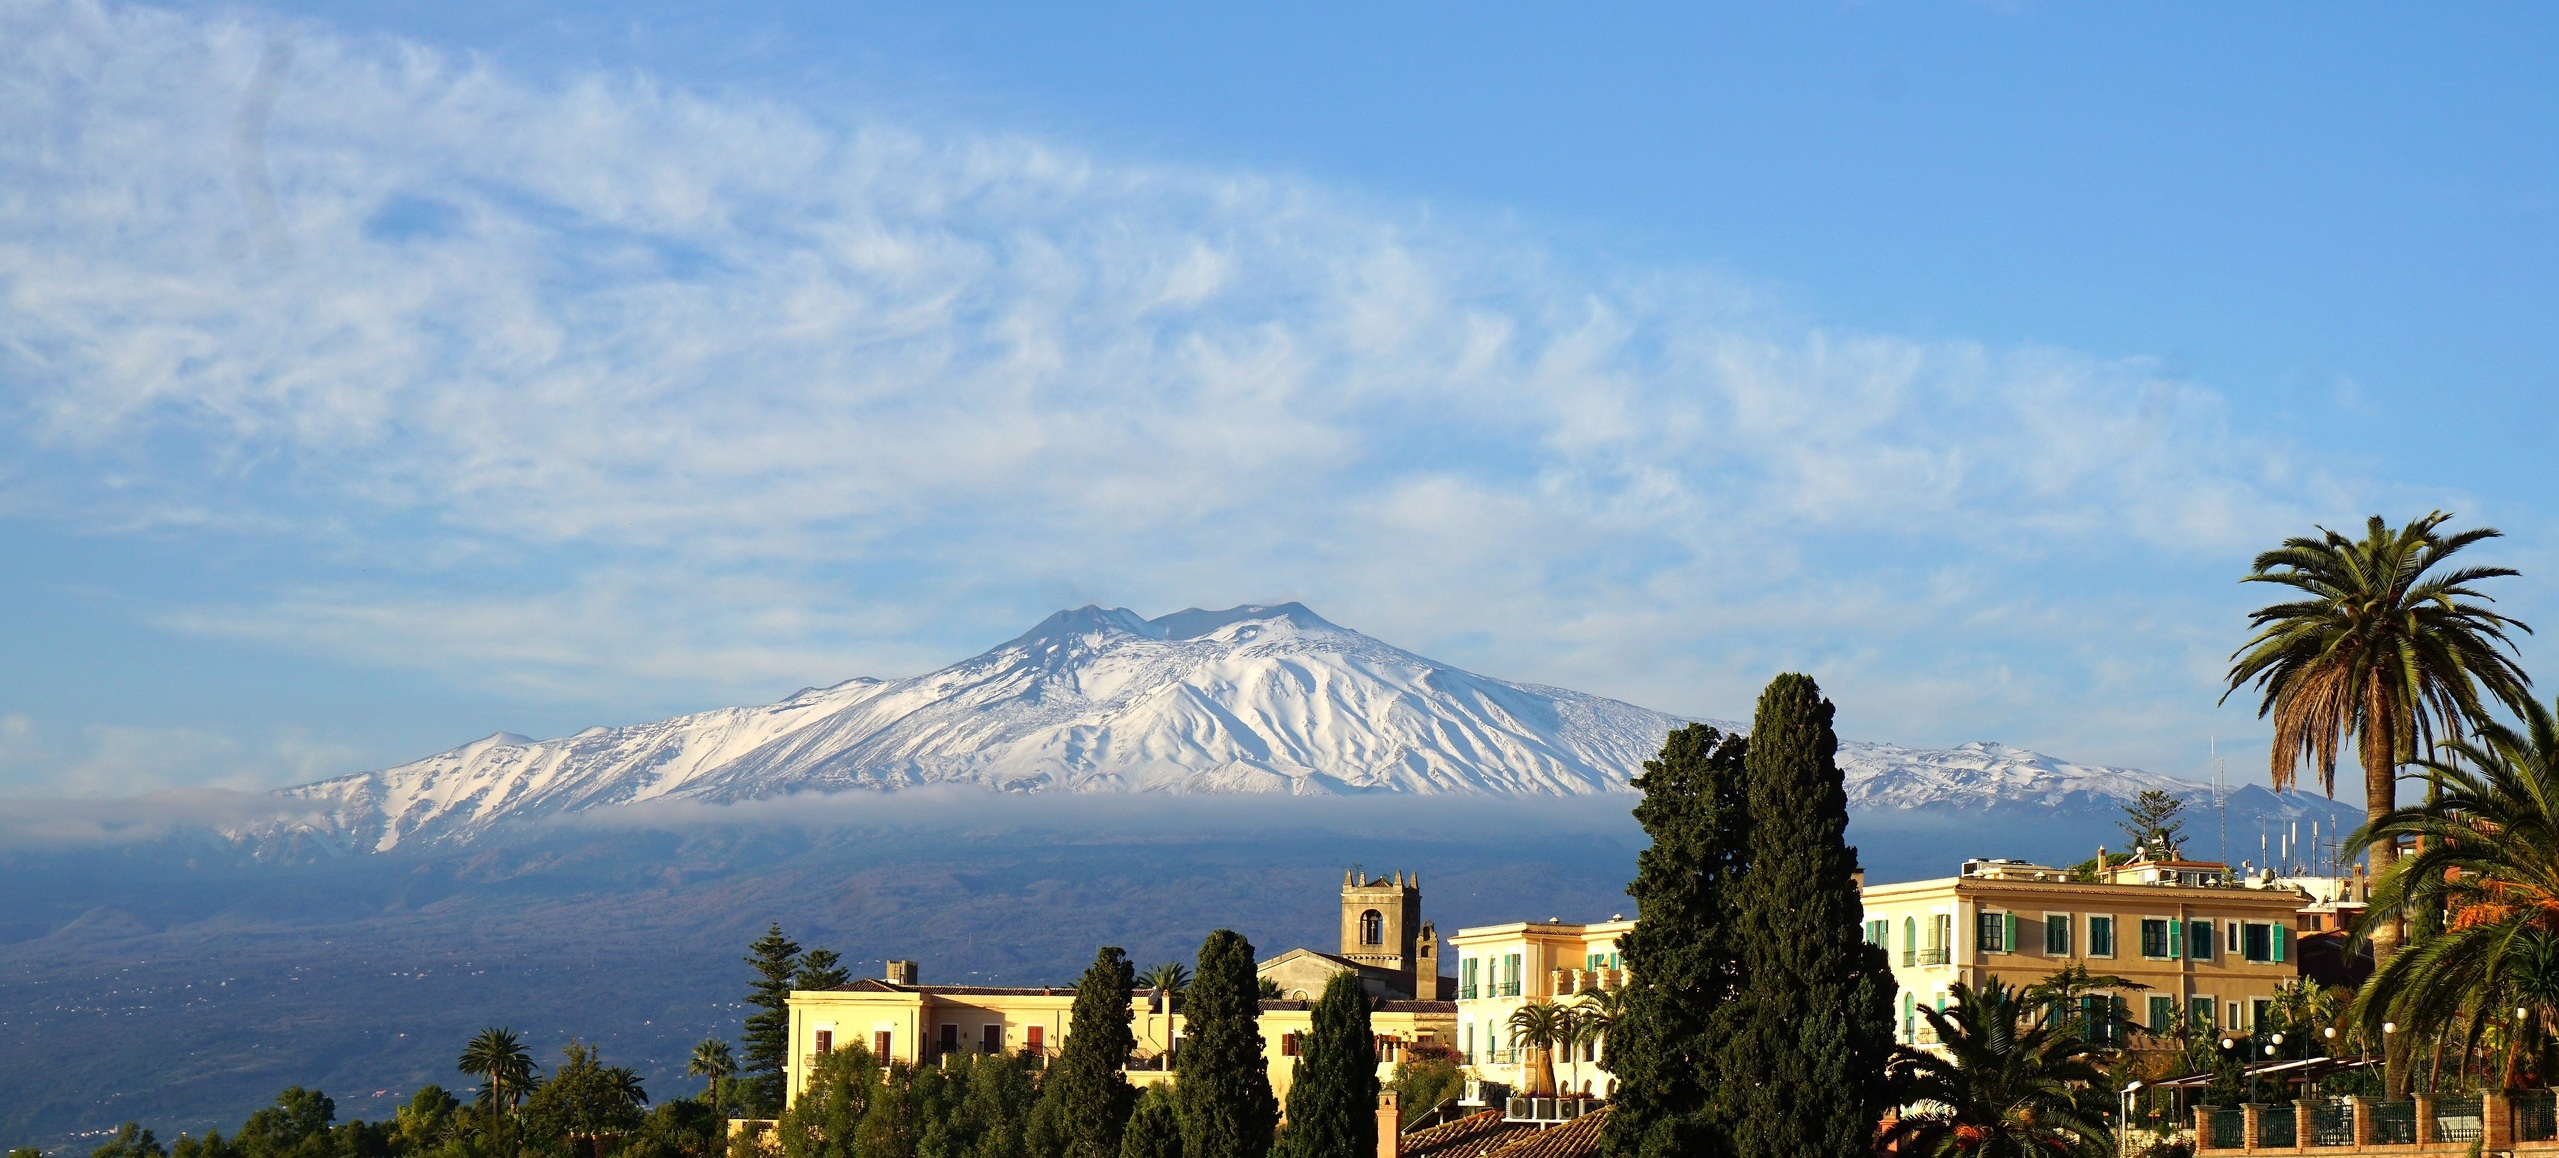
(2394, 1124)
(2536, 1115)
(2276, 1126)
(2457, 1119)
(2332, 1124)
(2229, 1130)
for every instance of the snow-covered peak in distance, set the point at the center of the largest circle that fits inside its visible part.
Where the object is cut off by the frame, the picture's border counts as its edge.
(1253, 699)
(1249, 699)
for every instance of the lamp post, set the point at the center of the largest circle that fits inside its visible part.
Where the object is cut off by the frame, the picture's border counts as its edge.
(2123, 1122)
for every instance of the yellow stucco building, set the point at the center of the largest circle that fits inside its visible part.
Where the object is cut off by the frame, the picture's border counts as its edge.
(2208, 946)
(1503, 967)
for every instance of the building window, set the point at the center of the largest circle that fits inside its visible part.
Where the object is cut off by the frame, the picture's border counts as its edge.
(2057, 934)
(1468, 1046)
(2199, 1011)
(2156, 939)
(1510, 975)
(2257, 1011)
(1995, 932)
(993, 1042)
(1910, 940)
(1941, 929)
(1288, 1045)
(2163, 1014)
(1466, 979)
(1032, 1040)
(2199, 940)
(1875, 932)
(1909, 1017)
(2101, 936)
(951, 1038)
(2262, 942)
(1372, 928)
(826, 1041)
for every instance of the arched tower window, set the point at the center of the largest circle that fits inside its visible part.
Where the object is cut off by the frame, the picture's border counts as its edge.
(1372, 928)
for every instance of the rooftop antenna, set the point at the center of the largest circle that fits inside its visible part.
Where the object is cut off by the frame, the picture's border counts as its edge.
(2220, 807)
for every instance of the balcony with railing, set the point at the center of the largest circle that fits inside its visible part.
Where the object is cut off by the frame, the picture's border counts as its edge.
(1935, 956)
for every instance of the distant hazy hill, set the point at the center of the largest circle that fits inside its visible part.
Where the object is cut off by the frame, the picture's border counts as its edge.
(1247, 700)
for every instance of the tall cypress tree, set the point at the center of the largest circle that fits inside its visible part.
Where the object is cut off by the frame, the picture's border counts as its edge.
(1225, 1087)
(1084, 1099)
(1679, 956)
(1332, 1100)
(776, 960)
(1809, 1027)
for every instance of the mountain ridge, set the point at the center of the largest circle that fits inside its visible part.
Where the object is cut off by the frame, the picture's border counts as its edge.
(1253, 699)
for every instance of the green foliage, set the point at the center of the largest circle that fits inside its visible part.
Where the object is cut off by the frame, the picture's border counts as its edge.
(1269, 990)
(1155, 1129)
(131, 1141)
(296, 1126)
(713, 1062)
(1332, 1099)
(2151, 821)
(2488, 837)
(823, 1121)
(497, 1057)
(1084, 1100)
(1680, 951)
(678, 1128)
(821, 969)
(2009, 1084)
(26, 1152)
(1808, 1030)
(432, 1118)
(586, 1101)
(1171, 977)
(776, 961)
(1225, 1086)
(1421, 1084)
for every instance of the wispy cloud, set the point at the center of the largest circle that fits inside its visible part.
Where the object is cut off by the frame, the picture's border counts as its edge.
(603, 380)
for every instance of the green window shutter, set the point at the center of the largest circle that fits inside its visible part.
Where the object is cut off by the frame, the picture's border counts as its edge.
(2278, 938)
(2012, 932)
(2176, 939)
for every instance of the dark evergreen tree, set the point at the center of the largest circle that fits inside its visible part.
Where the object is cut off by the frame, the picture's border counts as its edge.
(1155, 1130)
(130, 1141)
(1808, 1030)
(821, 969)
(1679, 955)
(1224, 1085)
(2153, 821)
(296, 1126)
(1084, 1099)
(1332, 1099)
(586, 1101)
(776, 961)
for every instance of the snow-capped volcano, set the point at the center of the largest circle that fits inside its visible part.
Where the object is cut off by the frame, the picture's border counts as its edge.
(1247, 700)
(1250, 699)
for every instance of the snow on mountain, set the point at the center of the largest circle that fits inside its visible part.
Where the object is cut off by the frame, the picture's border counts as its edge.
(1250, 699)
(1247, 700)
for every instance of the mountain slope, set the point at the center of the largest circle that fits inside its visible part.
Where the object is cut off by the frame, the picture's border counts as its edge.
(1251, 699)
(1246, 700)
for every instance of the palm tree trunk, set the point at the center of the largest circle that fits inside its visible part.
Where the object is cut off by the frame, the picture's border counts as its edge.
(2379, 747)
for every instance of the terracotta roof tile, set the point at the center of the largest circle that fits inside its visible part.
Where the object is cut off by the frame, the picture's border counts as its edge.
(1464, 1138)
(1578, 1138)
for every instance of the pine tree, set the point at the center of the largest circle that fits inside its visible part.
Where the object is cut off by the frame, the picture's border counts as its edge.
(1225, 1086)
(820, 969)
(776, 960)
(1679, 955)
(1332, 1100)
(1155, 1130)
(2153, 820)
(1809, 1026)
(1084, 1099)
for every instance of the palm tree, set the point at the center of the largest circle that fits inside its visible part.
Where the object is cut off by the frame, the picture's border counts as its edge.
(2378, 650)
(2488, 857)
(1170, 979)
(1542, 1025)
(2061, 990)
(2007, 1087)
(1592, 1015)
(713, 1061)
(497, 1057)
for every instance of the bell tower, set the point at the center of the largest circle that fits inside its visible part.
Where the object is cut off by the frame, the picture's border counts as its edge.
(1382, 921)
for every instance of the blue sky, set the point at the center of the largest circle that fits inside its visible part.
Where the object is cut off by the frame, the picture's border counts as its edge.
(380, 379)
